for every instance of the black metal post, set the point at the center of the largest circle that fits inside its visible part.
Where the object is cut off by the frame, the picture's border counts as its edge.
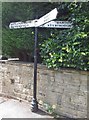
(34, 105)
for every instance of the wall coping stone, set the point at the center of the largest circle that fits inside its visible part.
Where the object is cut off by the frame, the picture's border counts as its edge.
(41, 66)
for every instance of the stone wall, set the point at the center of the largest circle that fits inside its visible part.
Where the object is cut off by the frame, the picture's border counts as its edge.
(1, 78)
(66, 89)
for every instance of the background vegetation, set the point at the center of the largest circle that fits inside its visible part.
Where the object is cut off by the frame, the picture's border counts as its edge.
(57, 47)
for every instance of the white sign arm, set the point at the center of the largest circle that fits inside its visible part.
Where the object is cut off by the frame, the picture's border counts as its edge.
(46, 18)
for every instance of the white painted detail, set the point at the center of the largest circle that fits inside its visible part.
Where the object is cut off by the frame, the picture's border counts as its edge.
(58, 24)
(27, 24)
(46, 18)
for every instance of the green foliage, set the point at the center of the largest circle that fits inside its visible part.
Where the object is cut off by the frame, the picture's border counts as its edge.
(15, 11)
(15, 40)
(69, 48)
(49, 108)
(66, 50)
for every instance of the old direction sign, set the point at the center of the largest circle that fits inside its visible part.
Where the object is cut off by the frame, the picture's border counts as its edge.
(31, 23)
(35, 23)
(57, 24)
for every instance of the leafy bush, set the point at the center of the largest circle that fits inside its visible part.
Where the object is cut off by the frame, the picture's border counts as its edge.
(66, 49)
(15, 40)
(69, 47)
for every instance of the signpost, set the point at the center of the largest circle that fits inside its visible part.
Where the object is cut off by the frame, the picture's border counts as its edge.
(42, 22)
(51, 24)
(48, 17)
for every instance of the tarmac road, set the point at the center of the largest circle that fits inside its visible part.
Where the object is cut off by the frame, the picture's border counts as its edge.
(11, 108)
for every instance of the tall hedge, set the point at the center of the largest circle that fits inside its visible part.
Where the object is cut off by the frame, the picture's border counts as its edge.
(69, 47)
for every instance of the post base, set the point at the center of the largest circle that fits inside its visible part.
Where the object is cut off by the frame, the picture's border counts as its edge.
(34, 105)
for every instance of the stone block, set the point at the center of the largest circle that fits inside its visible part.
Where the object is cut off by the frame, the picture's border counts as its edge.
(43, 78)
(76, 79)
(66, 98)
(18, 95)
(59, 77)
(74, 89)
(67, 78)
(23, 96)
(59, 88)
(0, 87)
(83, 88)
(67, 112)
(84, 79)
(29, 98)
(17, 79)
(26, 91)
(18, 88)
(51, 97)
(81, 101)
(82, 114)
(59, 99)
